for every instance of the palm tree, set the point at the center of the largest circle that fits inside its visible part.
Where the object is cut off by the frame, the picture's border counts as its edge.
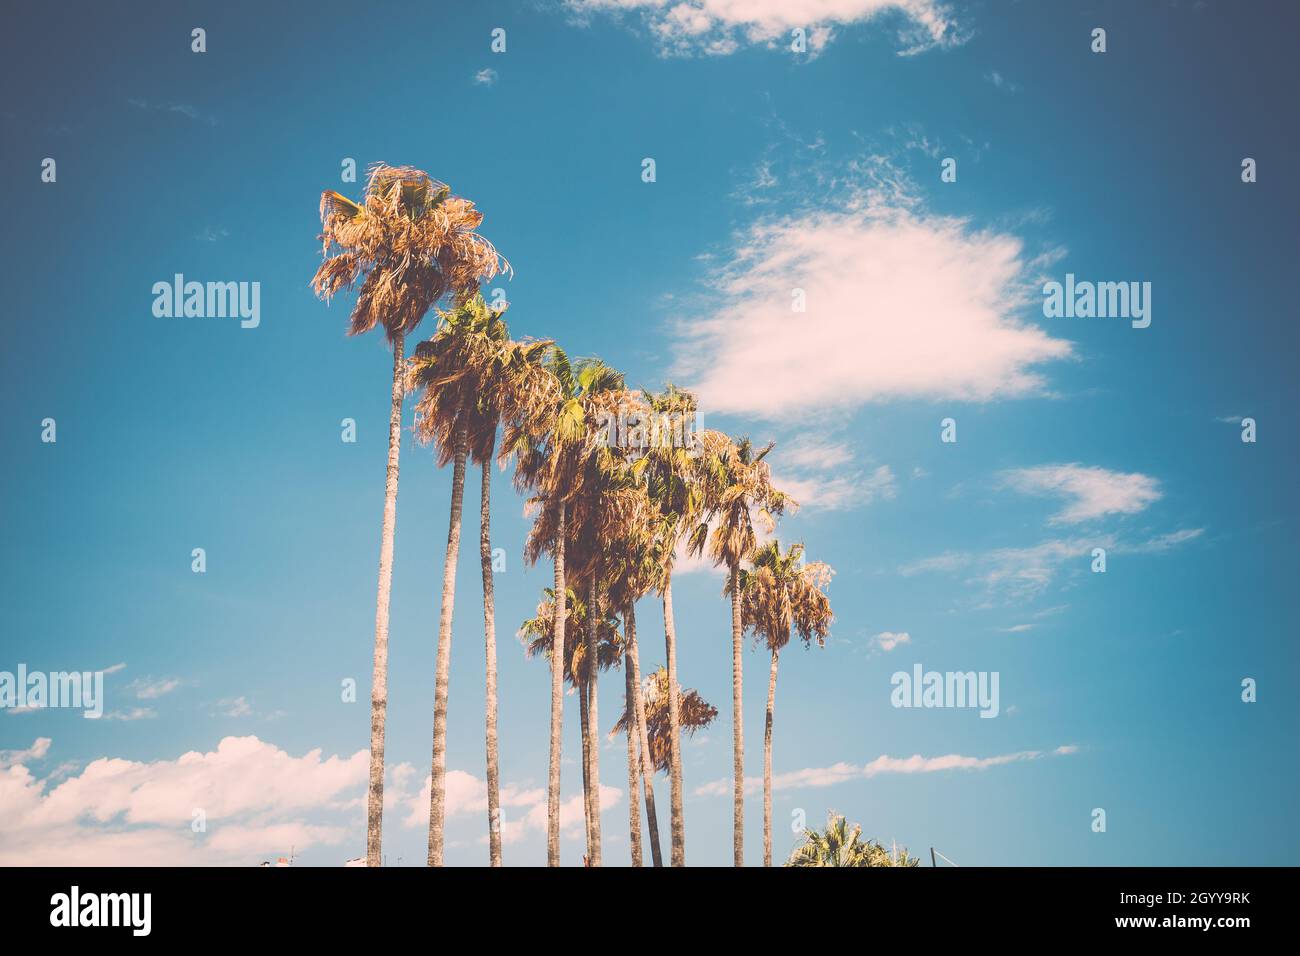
(675, 489)
(472, 375)
(608, 522)
(538, 633)
(738, 488)
(842, 845)
(551, 443)
(693, 713)
(778, 594)
(626, 530)
(408, 243)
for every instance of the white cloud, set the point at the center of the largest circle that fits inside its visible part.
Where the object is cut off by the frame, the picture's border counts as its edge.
(888, 640)
(183, 109)
(720, 27)
(833, 492)
(134, 713)
(523, 808)
(235, 707)
(815, 452)
(1021, 574)
(485, 77)
(842, 772)
(258, 801)
(37, 751)
(1001, 82)
(899, 305)
(1090, 492)
(146, 688)
(1164, 542)
(255, 797)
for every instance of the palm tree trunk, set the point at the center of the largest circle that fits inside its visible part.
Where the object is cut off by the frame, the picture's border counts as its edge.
(490, 649)
(737, 723)
(379, 673)
(557, 701)
(584, 721)
(593, 727)
(438, 782)
(674, 730)
(767, 763)
(633, 760)
(643, 738)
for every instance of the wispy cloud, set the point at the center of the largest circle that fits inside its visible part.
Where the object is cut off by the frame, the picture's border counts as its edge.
(178, 109)
(888, 640)
(836, 492)
(1001, 82)
(523, 807)
(133, 713)
(148, 688)
(720, 27)
(485, 77)
(234, 707)
(1090, 492)
(884, 764)
(1020, 574)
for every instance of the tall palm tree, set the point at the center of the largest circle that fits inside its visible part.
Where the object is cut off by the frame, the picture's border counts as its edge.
(408, 243)
(842, 845)
(551, 443)
(738, 490)
(626, 530)
(472, 375)
(674, 484)
(608, 522)
(538, 633)
(781, 593)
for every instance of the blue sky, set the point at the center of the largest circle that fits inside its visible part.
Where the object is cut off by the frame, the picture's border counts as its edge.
(775, 170)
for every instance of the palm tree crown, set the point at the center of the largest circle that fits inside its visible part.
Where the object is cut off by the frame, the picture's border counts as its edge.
(696, 714)
(781, 593)
(409, 242)
(842, 845)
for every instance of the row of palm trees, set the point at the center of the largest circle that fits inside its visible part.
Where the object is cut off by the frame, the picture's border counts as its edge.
(613, 514)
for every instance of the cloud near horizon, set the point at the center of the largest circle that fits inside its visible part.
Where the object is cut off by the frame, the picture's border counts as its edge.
(523, 809)
(254, 795)
(842, 772)
(257, 799)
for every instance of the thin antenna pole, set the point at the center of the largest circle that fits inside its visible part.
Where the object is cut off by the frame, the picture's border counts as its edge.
(932, 860)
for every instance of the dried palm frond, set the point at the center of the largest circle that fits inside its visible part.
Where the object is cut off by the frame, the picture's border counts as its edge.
(408, 243)
(695, 713)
